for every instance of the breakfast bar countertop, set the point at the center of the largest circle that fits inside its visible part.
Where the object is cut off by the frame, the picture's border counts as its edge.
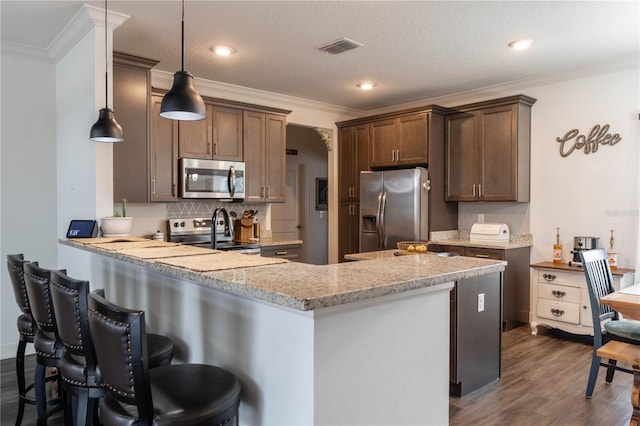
(306, 287)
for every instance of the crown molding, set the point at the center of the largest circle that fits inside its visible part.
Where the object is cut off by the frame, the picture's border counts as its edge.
(164, 80)
(24, 51)
(86, 18)
(82, 22)
(514, 86)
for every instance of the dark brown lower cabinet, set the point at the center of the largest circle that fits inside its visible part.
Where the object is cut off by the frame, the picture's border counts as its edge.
(348, 229)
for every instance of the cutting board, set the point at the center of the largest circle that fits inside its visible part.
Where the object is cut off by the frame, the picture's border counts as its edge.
(99, 240)
(120, 245)
(220, 261)
(163, 252)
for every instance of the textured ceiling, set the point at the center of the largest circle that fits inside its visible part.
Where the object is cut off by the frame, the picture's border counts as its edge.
(413, 50)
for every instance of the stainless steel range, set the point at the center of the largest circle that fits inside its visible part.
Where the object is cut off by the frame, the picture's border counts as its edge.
(197, 232)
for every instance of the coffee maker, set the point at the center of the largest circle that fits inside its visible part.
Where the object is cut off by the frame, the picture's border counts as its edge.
(580, 244)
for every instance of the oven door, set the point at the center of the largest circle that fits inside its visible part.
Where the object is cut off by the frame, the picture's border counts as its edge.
(211, 179)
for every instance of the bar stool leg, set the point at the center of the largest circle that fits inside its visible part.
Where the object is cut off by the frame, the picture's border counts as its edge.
(41, 394)
(21, 381)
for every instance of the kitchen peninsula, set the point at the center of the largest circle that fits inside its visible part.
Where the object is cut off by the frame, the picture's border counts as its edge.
(354, 343)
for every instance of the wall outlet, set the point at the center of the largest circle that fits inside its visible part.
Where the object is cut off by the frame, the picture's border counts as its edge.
(480, 218)
(481, 302)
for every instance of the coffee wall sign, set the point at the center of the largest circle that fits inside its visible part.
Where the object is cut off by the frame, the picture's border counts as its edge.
(599, 135)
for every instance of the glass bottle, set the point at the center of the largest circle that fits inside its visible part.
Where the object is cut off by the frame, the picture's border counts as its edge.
(612, 254)
(557, 249)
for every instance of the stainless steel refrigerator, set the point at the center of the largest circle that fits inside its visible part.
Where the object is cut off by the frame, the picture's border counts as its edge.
(393, 207)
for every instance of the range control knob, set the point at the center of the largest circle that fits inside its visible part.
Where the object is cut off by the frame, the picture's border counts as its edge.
(182, 224)
(175, 224)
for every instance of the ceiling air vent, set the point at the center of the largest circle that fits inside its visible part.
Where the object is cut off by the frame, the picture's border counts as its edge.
(339, 46)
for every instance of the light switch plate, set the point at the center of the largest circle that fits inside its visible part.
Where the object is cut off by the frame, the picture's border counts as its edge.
(481, 302)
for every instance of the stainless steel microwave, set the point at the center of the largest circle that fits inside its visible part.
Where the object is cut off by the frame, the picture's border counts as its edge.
(211, 179)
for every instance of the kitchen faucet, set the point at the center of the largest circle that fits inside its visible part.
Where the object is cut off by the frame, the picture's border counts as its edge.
(228, 226)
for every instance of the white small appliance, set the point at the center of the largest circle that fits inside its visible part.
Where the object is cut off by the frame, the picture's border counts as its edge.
(489, 233)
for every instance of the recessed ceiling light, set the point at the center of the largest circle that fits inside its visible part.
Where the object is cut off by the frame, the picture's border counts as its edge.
(366, 85)
(521, 44)
(223, 50)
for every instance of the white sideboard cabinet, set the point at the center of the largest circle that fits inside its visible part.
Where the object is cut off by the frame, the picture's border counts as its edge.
(560, 298)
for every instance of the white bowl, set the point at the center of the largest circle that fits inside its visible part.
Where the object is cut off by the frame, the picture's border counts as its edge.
(116, 226)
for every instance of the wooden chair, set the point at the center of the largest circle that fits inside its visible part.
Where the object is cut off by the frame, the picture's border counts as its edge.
(184, 394)
(47, 342)
(607, 325)
(26, 329)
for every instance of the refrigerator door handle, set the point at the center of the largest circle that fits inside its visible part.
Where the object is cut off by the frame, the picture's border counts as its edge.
(383, 236)
(378, 219)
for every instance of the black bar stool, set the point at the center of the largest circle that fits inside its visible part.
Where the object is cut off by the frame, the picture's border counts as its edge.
(78, 366)
(26, 328)
(184, 394)
(47, 342)
(79, 369)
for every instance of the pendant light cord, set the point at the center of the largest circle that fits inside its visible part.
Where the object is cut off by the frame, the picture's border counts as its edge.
(182, 58)
(106, 65)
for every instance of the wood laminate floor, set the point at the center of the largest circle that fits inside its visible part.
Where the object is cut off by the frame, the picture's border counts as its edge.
(543, 382)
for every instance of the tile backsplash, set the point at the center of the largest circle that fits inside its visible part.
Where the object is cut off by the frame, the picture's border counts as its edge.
(205, 208)
(152, 217)
(515, 215)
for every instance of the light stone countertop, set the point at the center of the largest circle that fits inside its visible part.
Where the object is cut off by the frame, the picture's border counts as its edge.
(270, 243)
(307, 287)
(461, 238)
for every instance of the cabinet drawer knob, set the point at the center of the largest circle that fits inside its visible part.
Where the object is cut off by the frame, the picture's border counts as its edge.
(282, 253)
(484, 256)
(557, 312)
(559, 294)
(549, 277)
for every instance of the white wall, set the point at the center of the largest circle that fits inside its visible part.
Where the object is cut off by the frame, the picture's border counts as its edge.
(28, 176)
(77, 108)
(586, 195)
(313, 153)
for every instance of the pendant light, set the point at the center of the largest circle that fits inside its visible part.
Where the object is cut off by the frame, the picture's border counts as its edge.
(106, 129)
(182, 102)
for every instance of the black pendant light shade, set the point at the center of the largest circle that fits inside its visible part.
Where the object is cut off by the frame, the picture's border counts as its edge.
(182, 102)
(106, 129)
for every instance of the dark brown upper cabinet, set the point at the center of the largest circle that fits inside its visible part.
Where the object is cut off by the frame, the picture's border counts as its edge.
(488, 150)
